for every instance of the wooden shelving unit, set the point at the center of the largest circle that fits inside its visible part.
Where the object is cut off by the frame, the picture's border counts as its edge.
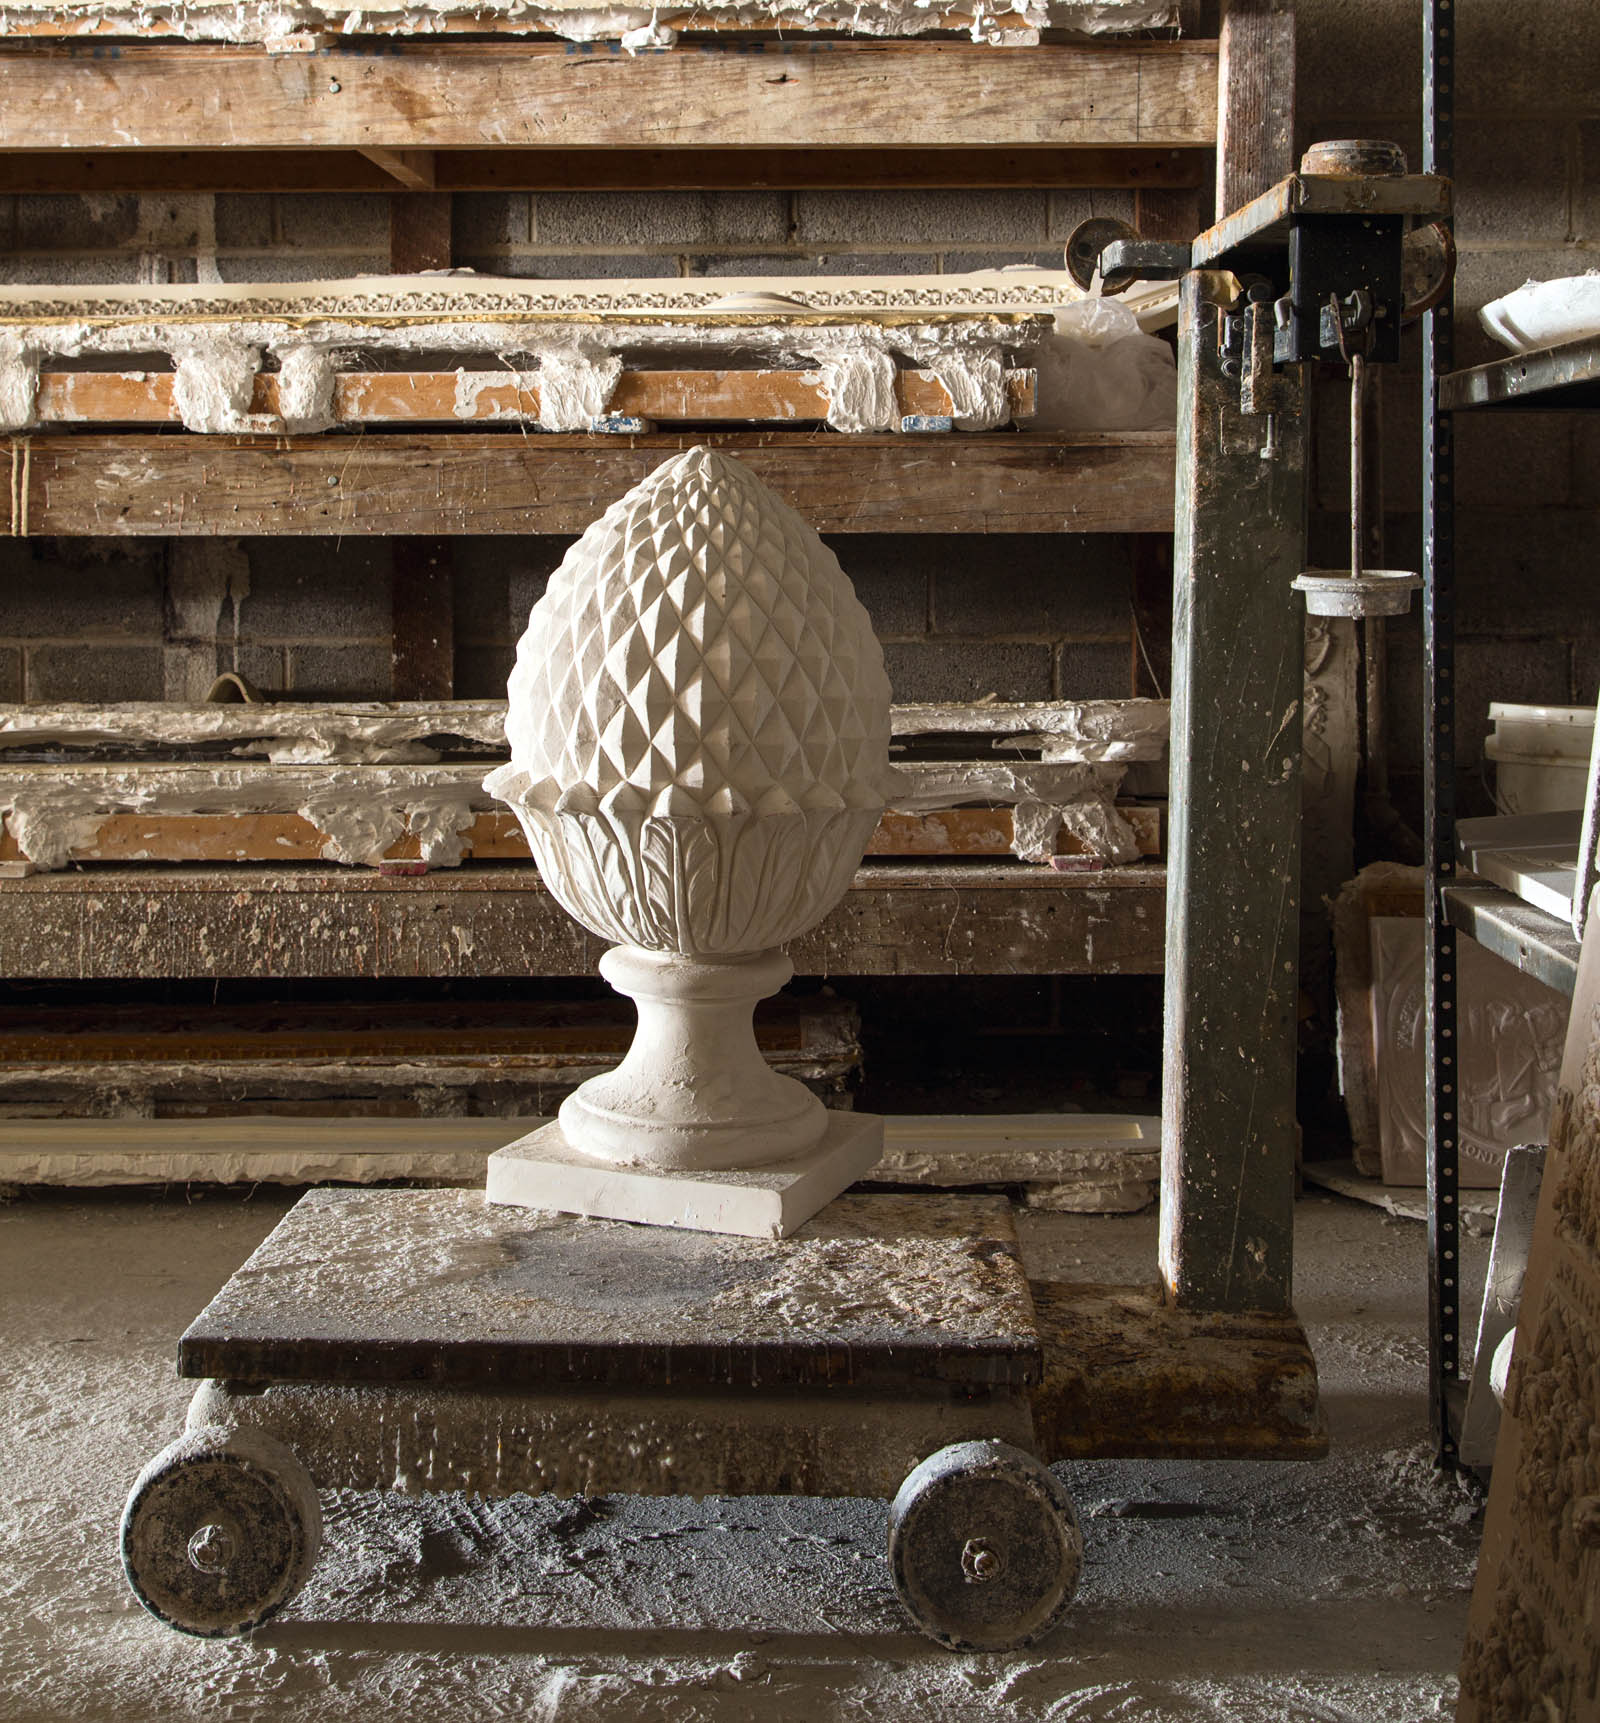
(442, 115)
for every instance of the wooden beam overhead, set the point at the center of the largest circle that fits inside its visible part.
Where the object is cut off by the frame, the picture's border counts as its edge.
(558, 169)
(1255, 124)
(486, 482)
(834, 95)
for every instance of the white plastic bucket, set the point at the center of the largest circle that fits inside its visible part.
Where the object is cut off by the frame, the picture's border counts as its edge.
(1541, 756)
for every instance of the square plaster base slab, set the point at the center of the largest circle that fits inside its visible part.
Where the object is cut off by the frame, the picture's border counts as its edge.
(543, 1171)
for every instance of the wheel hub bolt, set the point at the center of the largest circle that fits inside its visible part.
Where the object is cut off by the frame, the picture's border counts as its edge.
(980, 1560)
(211, 1549)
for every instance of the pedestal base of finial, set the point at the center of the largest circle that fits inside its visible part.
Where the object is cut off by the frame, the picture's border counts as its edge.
(694, 1091)
(543, 1171)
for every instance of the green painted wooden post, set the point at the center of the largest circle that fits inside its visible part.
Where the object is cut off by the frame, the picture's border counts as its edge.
(1233, 898)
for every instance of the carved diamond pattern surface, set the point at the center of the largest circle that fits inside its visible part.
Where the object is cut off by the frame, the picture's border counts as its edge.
(700, 650)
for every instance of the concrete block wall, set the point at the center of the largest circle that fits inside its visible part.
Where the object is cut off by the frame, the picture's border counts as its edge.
(1528, 486)
(557, 235)
(960, 617)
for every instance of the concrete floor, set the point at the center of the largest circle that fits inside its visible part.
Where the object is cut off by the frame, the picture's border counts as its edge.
(1251, 1593)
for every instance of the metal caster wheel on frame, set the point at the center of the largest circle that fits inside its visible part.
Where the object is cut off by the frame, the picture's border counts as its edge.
(984, 1547)
(220, 1531)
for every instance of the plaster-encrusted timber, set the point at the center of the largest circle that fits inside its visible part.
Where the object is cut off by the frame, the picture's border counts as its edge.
(365, 782)
(304, 23)
(288, 358)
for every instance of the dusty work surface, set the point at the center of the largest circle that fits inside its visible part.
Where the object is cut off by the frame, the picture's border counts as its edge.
(1214, 1592)
(445, 1288)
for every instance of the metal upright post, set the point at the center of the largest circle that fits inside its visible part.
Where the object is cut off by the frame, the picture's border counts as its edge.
(1439, 765)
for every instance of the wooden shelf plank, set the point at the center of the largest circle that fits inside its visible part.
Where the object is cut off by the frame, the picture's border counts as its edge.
(137, 483)
(553, 168)
(975, 918)
(433, 96)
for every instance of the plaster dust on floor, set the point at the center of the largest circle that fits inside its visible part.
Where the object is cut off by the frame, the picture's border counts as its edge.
(1236, 1592)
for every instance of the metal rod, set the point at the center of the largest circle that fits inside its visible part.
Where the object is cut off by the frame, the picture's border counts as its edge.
(1358, 375)
(1375, 629)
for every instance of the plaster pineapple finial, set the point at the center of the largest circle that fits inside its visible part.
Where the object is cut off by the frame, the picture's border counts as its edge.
(699, 728)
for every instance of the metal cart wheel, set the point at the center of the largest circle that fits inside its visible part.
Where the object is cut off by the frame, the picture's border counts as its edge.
(220, 1531)
(984, 1547)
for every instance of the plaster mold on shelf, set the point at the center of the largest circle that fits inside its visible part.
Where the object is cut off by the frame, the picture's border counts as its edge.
(699, 730)
(1024, 298)
(1081, 730)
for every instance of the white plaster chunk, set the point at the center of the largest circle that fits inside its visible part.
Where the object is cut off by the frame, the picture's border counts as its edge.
(699, 730)
(575, 388)
(357, 833)
(976, 385)
(214, 381)
(19, 380)
(859, 381)
(439, 827)
(652, 35)
(306, 383)
(1101, 830)
(48, 828)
